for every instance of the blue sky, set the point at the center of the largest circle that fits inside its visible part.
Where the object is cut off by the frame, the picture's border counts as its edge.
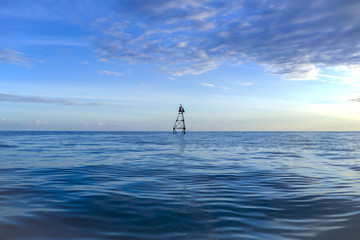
(127, 65)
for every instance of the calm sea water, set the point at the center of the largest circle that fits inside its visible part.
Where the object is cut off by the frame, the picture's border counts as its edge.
(156, 185)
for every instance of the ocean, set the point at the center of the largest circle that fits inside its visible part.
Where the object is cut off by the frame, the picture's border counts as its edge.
(202, 185)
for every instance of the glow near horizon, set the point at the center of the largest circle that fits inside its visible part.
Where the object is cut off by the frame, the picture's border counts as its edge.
(127, 65)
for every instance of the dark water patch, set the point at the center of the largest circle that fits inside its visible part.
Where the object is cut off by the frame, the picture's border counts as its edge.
(7, 146)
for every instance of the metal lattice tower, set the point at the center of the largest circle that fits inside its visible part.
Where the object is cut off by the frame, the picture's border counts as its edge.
(180, 122)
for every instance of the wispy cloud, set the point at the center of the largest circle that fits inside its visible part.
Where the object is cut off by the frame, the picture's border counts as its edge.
(207, 84)
(352, 79)
(4, 120)
(110, 73)
(72, 42)
(14, 57)
(355, 100)
(292, 39)
(245, 83)
(11, 98)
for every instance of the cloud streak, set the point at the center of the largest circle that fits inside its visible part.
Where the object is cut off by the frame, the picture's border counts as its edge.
(355, 100)
(11, 98)
(291, 39)
(110, 73)
(244, 83)
(14, 57)
(207, 84)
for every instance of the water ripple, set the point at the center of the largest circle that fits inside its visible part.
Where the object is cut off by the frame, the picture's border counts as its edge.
(236, 185)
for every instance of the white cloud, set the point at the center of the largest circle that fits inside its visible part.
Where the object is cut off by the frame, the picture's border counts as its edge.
(110, 73)
(182, 44)
(344, 75)
(294, 39)
(245, 83)
(207, 84)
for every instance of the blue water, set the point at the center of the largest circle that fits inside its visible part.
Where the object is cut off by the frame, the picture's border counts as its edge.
(156, 185)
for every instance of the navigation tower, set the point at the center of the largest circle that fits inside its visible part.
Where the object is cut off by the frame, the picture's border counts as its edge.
(180, 122)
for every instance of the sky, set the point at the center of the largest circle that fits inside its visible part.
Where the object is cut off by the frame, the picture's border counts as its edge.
(126, 65)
